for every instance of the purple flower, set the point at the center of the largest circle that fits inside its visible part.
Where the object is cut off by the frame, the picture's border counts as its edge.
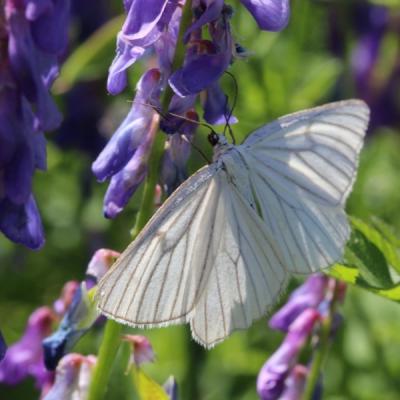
(50, 25)
(154, 25)
(34, 35)
(99, 264)
(271, 15)
(206, 60)
(272, 376)
(171, 388)
(80, 315)
(21, 223)
(3, 347)
(61, 305)
(33, 70)
(295, 383)
(178, 148)
(146, 22)
(125, 182)
(25, 357)
(124, 158)
(216, 106)
(142, 350)
(72, 379)
(308, 295)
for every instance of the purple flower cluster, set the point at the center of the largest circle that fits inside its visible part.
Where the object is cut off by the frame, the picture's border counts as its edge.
(281, 377)
(153, 26)
(37, 354)
(33, 36)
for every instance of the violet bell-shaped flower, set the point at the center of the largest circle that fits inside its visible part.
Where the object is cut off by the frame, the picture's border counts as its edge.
(216, 106)
(125, 182)
(295, 383)
(131, 133)
(80, 314)
(176, 155)
(33, 68)
(142, 350)
(73, 376)
(145, 23)
(22, 150)
(125, 156)
(272, 376)
(309, 295)
(206, 60)
(25, 357)
(270, 15)
(22, 223)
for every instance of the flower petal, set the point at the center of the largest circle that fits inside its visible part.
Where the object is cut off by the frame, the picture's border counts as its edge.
(50, 29)
(25, 357)
(72, 378)
(270, 15)
(22, 223)
(131, 133)
(216, 106)
(142, 17)
(309, 295)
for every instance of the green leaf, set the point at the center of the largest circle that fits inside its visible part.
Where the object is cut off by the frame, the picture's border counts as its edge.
(383, 238)
(344, 273)
(352, 276)
(370, 253)
(91, 59)
(370, 261)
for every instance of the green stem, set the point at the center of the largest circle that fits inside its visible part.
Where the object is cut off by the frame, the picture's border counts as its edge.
(321, 351)
(107, 353)
(111, 340)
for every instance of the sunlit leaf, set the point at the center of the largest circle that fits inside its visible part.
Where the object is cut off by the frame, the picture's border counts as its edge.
(367, 257)
(385, 240)
(344, 273)
(147, 388)
(371, 252)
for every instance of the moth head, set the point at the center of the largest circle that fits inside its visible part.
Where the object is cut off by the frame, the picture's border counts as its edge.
(213, 138)
(216, 139)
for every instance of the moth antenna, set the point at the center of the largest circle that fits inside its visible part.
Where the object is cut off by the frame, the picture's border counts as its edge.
(193, 121)
(229, 115)
(184, 137)
(155, 108)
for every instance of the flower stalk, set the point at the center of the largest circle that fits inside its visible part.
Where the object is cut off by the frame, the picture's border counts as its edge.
(322, 348)
(111, 340)
(147, 205)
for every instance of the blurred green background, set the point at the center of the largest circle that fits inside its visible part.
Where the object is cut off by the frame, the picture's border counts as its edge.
(312, 62)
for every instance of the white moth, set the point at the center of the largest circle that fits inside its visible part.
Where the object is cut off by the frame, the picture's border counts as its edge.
(220, 250)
